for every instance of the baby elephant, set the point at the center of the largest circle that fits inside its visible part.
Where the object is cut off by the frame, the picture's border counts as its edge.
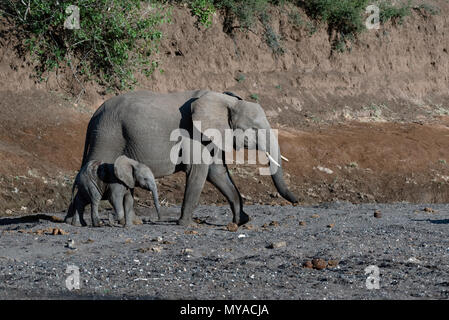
(98, 181)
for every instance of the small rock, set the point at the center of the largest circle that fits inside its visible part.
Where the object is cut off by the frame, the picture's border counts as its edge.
(232, 227)
(308, 264)
(315, 215)
(429, 210)
(319, 264)
(276, 245)
(241, 236)
(157, 239)
(332, 263)
(413, 260)
(187, 251)
(323, 169)
(302, 223)
(57, 231)
(274, 223)
(197, 220)
(377, 214)
(156, 249)
(8, 211)
(191, 232)
(56, 219)
(331, 225)
(248, 227)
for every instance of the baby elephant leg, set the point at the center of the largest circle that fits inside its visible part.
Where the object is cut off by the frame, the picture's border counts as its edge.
(130, 214)
(96, 222)
(117, 204)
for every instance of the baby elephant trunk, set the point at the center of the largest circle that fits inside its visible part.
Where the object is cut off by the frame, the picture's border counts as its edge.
(156, 201)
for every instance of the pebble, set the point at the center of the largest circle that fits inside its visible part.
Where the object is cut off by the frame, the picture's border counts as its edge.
(319, 264)
(156, 249)
(232, 227)
(332, 263)
(377, 214)
(308, 264)
(274, 223)
(279, 244)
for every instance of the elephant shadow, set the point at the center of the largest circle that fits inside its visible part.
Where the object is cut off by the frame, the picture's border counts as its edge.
(34, 218)
(436, 221)
(169, 215)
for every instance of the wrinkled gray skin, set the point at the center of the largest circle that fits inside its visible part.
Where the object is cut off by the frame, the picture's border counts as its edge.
(139, 124)
(98, 181)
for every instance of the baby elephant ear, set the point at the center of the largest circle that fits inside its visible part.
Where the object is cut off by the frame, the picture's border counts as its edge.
(123, 170)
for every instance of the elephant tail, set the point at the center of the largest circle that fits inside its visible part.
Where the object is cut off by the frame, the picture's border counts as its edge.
(86, 143)
(90, 128)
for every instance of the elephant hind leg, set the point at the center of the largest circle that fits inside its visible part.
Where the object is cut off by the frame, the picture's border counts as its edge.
(220, 178)
(196, 177)
(77, 212)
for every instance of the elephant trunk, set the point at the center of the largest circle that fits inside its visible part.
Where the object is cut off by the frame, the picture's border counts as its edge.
(280, 185)
(156, 201)
(275, 158)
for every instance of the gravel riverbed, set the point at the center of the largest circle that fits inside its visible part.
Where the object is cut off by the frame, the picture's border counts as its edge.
(284, 252)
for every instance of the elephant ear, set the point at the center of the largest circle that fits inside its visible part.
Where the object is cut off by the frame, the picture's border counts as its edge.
(124, 170)
(211, 114)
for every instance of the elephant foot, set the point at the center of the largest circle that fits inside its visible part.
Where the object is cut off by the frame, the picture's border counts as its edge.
(111, 219)
(184, 221)
(97, 223)
(137, 220)
(244, 218)
(75, 223)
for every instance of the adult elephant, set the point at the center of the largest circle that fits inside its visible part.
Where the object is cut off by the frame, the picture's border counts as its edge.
(140, 124)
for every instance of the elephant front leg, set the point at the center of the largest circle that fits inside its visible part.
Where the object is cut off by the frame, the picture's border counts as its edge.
(117, 204)
(130, 215)
(220, 178)
(196, 177)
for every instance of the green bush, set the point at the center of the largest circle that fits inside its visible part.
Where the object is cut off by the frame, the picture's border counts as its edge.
(245, 12)
(203, 10)
(343, 16)
(388, 11)
(115, 37)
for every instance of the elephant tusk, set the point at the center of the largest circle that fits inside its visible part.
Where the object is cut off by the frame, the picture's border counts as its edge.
(284, 158)
(271, 159)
